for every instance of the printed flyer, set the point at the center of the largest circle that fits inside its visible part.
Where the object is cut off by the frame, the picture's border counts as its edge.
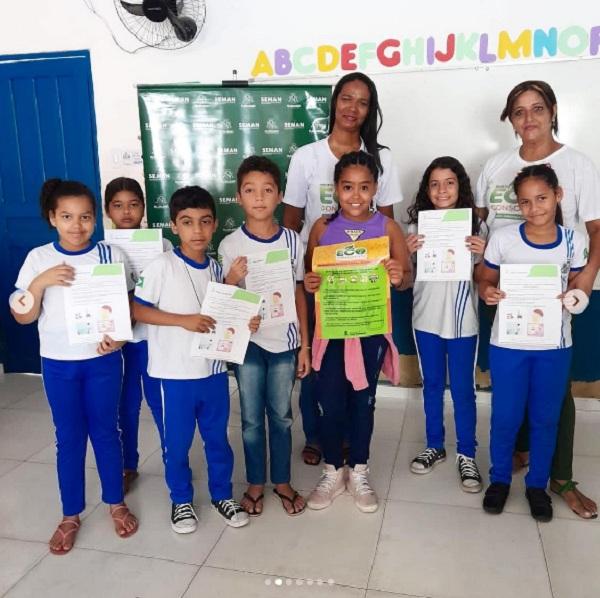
(354, 297)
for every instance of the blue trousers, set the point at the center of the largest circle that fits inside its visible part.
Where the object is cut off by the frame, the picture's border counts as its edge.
(535, 380)
(459, 353)
(135, 373)
(204, 402)
(84, 400)
(339, 400)
(266, 381)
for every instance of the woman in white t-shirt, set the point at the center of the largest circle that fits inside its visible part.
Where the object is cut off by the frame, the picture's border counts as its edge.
(531, 108)
(354, 122)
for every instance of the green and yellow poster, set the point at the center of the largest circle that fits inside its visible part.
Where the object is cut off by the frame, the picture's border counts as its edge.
(198, 135)
(354, 297)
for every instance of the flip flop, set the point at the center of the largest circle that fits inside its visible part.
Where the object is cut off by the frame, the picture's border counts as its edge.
(311, 451)
(292, 501)
(254, 502)
(569, 486)
(121, 520)
(65, 535)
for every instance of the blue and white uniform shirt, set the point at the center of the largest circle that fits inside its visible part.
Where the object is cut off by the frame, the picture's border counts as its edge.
(52, 324)
(174, 283)
(509, 245)
(240, 242)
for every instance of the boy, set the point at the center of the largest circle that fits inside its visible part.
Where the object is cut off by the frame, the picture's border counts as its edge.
(169, 297)
(266, 378)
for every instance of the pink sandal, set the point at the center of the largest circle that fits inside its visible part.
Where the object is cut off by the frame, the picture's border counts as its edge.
(64, 535)
(114, 509)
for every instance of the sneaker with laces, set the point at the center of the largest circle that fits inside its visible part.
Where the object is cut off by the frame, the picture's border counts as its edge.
(470, 478)
(231, 511)
(358, 485)
(183, 518)
(331, 484)
(425, 461)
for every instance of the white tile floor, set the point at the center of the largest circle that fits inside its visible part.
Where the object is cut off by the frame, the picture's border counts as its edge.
(428, 539)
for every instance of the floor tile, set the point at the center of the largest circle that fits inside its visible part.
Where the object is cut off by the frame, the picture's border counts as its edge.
(96, 574)
(23, 433)
(149, 501)
(571, 549)
(36, 482)
(222, 582)
(444, 552)
(17, 558)
(7, 465)
(14, 387)
(36, 401)
(301, 547)
(587, 438)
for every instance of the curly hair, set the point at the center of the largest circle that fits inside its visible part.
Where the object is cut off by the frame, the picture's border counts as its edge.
(465, 194)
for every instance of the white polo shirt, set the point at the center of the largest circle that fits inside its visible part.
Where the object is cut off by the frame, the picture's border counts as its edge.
(240, 242)
(52, 324)
(174, 283)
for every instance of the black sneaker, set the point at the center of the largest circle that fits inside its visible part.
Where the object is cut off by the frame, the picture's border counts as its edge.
(183, 518)
(540, 504)
(231, 511)
(470, 478)
(424, 462)
(495, 497)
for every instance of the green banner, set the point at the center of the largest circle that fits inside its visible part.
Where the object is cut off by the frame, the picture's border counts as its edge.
(198, 135)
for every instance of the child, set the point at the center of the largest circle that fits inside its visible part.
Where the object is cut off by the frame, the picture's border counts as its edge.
(445, 325)
(355, 178)
(266, 378)
(124, 205)
(82, 381)
(169, 296)
(529, 377)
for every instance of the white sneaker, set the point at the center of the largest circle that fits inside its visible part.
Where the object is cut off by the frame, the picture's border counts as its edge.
(358, 485)
(183, 518)
(331, 484)
(470, 478)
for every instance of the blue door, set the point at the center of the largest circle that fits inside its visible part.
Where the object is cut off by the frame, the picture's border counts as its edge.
(47, 129)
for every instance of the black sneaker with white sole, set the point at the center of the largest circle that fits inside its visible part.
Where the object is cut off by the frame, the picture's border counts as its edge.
(425, 461)
(231, 511)
(183, 518)
(470, 478)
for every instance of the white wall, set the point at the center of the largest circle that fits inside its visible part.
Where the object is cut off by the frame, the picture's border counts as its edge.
(427, 112)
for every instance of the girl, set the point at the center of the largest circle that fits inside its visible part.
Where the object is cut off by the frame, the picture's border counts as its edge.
(529, 377)
(355, 179)
(124, 205)
(532, 110)
(83, 381)
(445, 325)
(354, 123)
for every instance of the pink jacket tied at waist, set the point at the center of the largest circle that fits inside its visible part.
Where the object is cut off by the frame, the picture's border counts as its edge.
(354, 363)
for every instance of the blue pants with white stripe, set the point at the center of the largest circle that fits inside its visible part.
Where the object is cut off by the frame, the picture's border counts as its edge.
(84, 400)
(135, 373)
(535, 380)
(204, 402)
(459, 353)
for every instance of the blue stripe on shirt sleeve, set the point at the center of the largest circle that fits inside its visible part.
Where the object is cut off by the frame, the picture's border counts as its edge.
(490, 265)
(142, 301)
